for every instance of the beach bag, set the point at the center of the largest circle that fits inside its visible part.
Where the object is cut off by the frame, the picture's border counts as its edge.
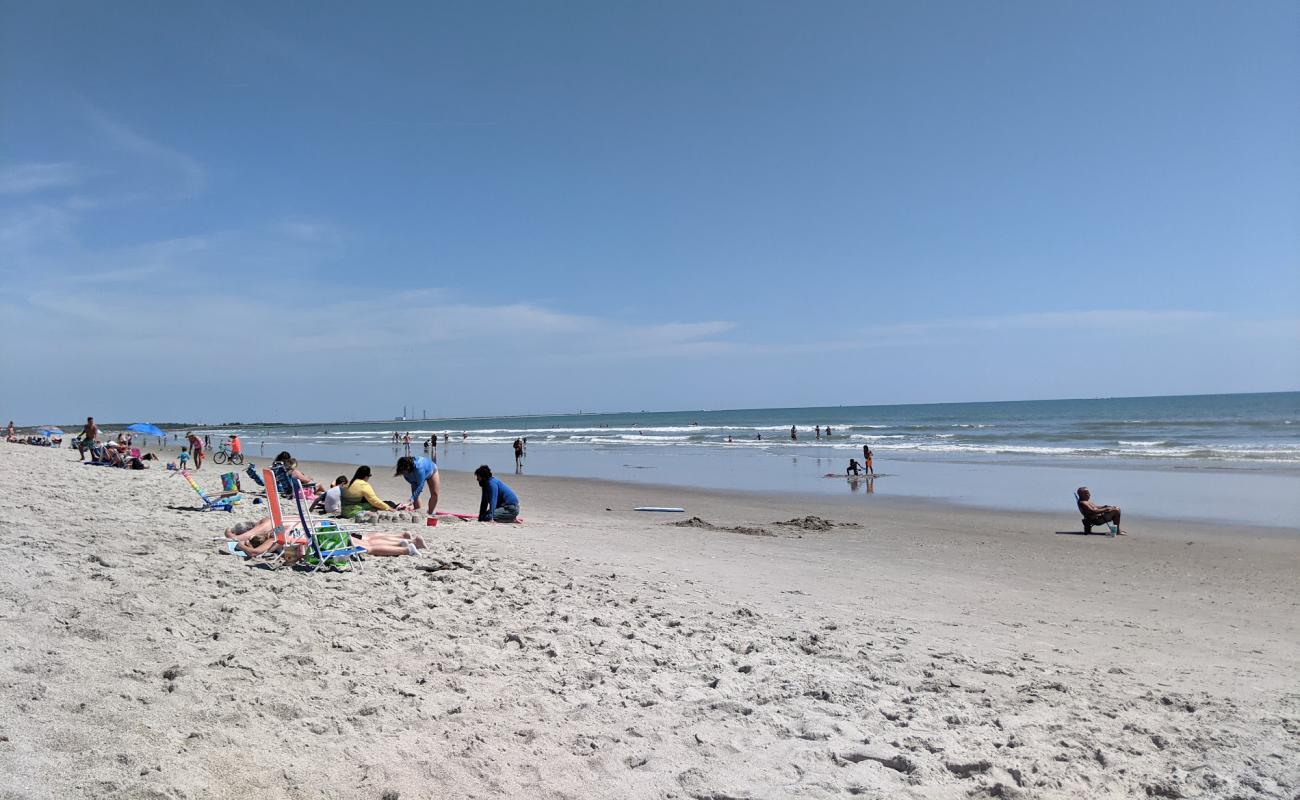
(330, 537)
(229, 482)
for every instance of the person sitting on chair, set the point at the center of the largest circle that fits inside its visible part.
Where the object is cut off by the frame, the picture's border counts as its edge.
(1094, 514)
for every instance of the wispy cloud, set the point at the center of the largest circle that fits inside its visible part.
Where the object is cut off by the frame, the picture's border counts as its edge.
(188, 173)
(309, 231)
(21, 179)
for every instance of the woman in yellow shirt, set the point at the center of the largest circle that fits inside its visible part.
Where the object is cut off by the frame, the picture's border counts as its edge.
(358, 496)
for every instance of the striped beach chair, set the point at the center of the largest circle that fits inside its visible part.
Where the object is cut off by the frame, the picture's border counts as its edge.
(222, 501)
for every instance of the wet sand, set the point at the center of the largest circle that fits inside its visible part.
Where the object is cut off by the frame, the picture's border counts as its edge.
(900, 649)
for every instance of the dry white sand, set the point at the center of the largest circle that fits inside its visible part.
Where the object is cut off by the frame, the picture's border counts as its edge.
(928, 652)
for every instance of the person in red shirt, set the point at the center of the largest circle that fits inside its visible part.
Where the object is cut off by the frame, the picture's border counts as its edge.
(236, 447)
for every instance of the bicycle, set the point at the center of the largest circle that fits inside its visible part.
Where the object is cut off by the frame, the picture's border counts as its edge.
(223, 455)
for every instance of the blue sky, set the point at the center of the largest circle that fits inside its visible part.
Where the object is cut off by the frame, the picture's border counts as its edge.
(325, 210)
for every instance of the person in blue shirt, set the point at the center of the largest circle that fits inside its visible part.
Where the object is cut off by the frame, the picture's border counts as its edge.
(499, 503)
(420, 472)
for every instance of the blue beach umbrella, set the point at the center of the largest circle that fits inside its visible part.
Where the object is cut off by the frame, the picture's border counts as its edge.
(51, 432)
(144, 427)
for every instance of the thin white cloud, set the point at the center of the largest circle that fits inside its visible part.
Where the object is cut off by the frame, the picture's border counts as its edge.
(308, 231)
(21, 179)
(189, 174)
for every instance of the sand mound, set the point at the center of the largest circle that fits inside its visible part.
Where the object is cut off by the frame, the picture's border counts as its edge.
(809, 523)
(696, 522)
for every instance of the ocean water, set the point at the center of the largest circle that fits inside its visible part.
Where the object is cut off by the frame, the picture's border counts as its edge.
(1223, 431)
(1202, 456)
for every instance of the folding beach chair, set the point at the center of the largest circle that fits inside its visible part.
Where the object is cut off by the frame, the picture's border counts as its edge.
(1091, 520)
(224, 501)
(286, 535)
(329, 543)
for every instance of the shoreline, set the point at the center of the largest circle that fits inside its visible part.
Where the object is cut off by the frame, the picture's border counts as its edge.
(848, 503)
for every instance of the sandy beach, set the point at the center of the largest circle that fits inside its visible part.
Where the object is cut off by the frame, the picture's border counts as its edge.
(772, 647)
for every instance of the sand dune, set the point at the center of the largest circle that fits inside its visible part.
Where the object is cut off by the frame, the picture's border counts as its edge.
(914, 652)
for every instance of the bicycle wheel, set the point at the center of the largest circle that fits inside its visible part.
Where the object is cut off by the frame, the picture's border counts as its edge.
(236, 458)
(219, 457)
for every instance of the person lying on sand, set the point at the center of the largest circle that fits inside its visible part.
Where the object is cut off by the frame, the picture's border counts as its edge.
(1094, 514)
(259, 538)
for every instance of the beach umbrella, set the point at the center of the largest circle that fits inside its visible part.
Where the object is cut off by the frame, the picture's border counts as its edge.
(144, 427)
(51, 431)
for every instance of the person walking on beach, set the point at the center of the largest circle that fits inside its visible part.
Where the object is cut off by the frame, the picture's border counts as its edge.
(519, 455)
(89, 435)
(866, 459)
(406, 442)
(196, 447)
(420, 472)
(184, 458)
(498, 503)
(794, 434)
(207, 440)
(395, 437)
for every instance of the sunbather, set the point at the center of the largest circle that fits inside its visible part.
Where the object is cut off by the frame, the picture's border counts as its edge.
(259, 538)
(290, 465)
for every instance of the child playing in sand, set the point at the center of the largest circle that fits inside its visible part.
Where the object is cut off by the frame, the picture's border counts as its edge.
(184, 457)
(332, 499)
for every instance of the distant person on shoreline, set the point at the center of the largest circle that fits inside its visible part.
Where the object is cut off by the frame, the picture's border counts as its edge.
(446, 438)
(867, 459)
(498, 503)
(853, 469)
(420, 472)
(819, 431)
(519, 455)
(794, 434)
(10, 432)
(406, 442)
(1094, 514)
(828, 431)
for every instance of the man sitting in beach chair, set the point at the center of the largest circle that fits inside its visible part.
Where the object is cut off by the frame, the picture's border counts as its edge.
(1094, 514)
